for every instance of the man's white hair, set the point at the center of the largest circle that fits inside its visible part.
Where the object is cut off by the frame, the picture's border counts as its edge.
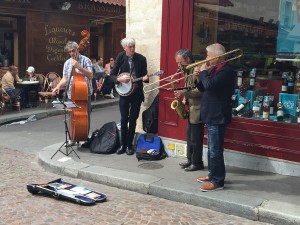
(216, 49)
(127, 42)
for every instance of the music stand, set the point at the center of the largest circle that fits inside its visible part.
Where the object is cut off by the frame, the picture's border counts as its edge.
(65, 106)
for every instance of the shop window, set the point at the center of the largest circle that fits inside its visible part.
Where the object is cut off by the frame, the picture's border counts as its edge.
(8, 26)
(268, 32)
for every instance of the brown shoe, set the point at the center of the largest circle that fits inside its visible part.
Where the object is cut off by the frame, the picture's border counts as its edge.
(210, 187)
(203, 179)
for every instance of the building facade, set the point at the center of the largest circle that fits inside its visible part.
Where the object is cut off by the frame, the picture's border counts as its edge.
(34, 33)
(266, 32)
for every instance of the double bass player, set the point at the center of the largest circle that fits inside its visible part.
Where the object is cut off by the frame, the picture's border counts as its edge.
(82, 66)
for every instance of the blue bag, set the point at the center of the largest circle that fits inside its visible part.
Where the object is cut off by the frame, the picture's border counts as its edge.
(149, 147)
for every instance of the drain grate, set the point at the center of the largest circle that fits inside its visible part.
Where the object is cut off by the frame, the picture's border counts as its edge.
(150, 166)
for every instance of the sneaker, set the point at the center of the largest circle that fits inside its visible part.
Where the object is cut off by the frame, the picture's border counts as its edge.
(203, 179)
(72, 143)
(210, 187)
(109, 96)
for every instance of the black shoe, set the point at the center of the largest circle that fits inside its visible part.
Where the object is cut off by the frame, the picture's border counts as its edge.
(185, 164)
(129, 151)
(121, 150)
(193, 167)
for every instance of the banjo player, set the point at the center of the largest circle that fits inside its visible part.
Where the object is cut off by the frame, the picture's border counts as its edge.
(129, 65)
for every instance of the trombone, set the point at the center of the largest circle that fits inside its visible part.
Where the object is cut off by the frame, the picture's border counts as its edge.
(237, 53)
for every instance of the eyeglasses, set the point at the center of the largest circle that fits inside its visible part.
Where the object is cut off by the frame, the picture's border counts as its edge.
(131, 46)
(73, 50)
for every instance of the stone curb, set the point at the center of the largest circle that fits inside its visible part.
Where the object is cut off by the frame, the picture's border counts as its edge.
(250, 207)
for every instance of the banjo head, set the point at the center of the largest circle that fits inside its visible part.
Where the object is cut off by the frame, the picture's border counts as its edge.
(124, 89)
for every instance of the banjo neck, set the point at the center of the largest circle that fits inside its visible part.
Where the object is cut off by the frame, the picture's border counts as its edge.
(149, 75)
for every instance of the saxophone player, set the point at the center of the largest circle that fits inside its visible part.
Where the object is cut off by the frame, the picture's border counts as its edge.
(195, 129)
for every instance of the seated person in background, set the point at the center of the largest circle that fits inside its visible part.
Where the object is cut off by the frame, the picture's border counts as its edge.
(99, 75)
(98, 68)
(31, 76)
(8, 84)
(108, 68)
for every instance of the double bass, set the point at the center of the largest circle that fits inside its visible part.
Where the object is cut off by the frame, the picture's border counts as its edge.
(79, 122)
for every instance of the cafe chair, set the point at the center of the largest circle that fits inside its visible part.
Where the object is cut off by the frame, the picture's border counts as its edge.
(6, 101)
(50, 82)
(34, 97)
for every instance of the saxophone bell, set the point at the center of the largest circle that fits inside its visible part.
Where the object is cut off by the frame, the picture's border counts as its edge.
(179, 108)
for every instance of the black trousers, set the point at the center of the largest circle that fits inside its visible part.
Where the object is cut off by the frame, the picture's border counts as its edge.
(194, 139)
(107, 86)
(130, 110)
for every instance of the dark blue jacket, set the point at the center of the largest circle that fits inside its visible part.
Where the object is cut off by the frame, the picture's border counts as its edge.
(218, 88)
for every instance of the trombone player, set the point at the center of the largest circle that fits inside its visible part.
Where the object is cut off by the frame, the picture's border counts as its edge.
(195, 129)
(217, 80)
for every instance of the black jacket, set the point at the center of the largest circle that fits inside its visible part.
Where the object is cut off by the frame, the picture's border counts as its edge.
(216, 101)
(122, 65)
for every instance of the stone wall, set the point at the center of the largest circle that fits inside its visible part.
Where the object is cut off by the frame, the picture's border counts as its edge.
(143, 23)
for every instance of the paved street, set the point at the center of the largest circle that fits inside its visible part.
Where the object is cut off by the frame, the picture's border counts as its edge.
(18, 166)
(18, 206)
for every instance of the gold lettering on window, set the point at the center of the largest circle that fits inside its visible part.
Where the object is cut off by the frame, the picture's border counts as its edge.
(92, 7)
(57, 37)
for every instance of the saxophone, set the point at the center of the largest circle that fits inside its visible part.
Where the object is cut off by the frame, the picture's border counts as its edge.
(179, 108)
(177, 104)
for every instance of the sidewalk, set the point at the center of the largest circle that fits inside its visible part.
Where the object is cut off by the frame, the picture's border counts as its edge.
(42, 112)
(255, 195)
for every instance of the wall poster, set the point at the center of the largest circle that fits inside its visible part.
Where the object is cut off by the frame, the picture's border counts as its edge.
(288, 40)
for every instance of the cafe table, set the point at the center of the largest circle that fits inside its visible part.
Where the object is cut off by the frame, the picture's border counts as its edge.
(27, 87)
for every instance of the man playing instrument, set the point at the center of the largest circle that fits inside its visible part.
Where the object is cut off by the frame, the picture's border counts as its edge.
(134, 64)
(217, 81)
(195, 128)
(82, 65)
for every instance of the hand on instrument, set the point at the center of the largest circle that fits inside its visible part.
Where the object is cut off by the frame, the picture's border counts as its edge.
(124, 79)
(178, 93)
(184, 101)
(196, 70)
(75, 64)
(145, 78)
(204, 66)
(55, 91)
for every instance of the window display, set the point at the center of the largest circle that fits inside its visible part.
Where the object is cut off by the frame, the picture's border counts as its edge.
(266, 88)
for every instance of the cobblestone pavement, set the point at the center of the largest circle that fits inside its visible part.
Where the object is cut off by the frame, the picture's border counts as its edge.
(18, 206)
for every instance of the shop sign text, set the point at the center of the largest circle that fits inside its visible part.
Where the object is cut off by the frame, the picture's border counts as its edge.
(57, 38)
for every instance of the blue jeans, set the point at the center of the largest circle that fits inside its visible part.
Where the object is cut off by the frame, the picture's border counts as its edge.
(215, 157)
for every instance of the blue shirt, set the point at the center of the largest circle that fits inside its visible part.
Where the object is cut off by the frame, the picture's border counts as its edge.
(83, 61)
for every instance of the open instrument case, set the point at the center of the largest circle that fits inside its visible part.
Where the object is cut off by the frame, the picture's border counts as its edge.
(62, 190)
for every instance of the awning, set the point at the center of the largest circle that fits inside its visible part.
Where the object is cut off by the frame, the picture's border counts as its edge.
(112, 2)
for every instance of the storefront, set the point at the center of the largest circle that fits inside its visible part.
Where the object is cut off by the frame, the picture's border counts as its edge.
(34, 33)
(266, 32)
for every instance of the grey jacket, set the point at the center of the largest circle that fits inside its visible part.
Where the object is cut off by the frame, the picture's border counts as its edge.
(193, 99)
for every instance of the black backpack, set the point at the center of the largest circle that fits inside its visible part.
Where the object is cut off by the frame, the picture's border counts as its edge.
(104, 140)
(150, 117)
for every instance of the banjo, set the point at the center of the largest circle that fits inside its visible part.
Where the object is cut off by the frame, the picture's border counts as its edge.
(126, 89)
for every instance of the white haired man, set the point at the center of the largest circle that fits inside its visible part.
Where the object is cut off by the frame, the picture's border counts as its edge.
(136, 65)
